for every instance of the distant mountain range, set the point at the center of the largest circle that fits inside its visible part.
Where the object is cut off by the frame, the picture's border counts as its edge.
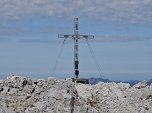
(131, 82)
(150, 81)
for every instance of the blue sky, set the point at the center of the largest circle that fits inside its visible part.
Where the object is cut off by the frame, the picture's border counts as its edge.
(29, 43)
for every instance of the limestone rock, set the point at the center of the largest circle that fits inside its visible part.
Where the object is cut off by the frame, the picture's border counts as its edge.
(24, 95)
(140, 85)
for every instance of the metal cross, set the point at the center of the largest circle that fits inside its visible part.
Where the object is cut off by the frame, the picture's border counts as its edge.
(76, 37)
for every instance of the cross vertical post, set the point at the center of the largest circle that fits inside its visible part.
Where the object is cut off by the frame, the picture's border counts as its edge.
(76, 61)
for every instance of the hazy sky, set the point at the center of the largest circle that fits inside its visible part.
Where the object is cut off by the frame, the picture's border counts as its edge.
(29, 43)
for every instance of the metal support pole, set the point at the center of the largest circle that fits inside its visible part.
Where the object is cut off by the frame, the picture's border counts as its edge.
(76, 61)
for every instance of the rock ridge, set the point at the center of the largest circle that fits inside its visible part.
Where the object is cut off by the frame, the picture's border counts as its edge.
(24, 95)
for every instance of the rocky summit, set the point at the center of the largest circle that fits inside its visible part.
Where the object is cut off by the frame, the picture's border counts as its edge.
(24, 95)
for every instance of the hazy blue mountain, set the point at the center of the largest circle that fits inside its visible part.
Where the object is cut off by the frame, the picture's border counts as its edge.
(131, 82)
(96, 80)
(150, 81)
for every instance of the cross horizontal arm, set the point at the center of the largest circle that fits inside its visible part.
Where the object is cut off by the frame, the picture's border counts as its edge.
(86, 36)
(65, 36)
(72, 36)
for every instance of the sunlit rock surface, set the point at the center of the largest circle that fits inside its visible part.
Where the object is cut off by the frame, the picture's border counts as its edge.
(25, 95)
